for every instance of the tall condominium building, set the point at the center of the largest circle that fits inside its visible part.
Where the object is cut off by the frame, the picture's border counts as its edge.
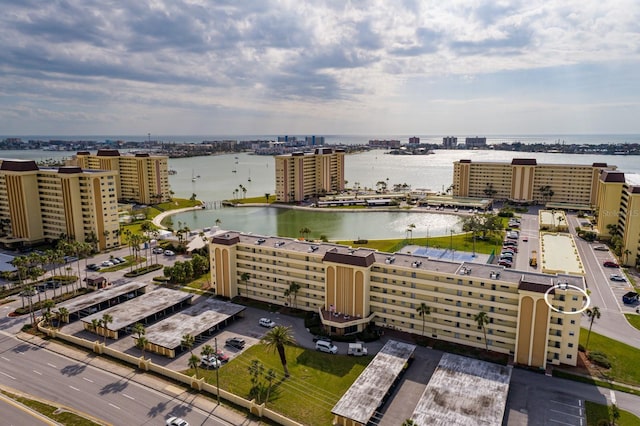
(304, 175)
(46, 204)
(475, 142)
(351, 289)
(449, 142)
(618, 211)
(524, 180)
(142, 178)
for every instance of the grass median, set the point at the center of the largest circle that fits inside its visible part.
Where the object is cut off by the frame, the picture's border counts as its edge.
(623, 358)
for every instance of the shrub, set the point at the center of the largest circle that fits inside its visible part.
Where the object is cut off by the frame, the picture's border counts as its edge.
(142, 271)
(599, 358)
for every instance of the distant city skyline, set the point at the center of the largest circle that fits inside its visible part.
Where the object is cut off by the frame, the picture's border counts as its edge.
(325, 68)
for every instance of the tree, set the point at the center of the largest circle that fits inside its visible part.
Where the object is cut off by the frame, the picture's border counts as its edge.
(207, 351)
(62, 315)
(256, 369)
(106, 320)
(141, 343)
(245, 279)
(138, 328)
(409, 422)
(47, 314)
(276, 339)
(304, 232)
(626, 253)
(410, 229)
(423, 310)
(482, 319)
(218, 222)
(593, 314)
(293, 290)
(95, 323)
(267, 195)
(194, 361)
(188, 341)
(271, 376)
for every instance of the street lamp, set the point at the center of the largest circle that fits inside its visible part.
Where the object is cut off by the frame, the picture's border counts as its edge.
(427, 237)
(451, 240)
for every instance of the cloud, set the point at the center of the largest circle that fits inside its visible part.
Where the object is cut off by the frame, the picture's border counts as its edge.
(300, 56)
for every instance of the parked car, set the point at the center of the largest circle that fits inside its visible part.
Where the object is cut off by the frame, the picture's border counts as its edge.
(525, 239)
(510, 243)
(169, 253)
(610, 264)
(512, 249)
(211, 362)
(630, 298)
(115, 261)
(325, 338)
(107, 264)
(601, 248)
(505, 263)
(324, 346)
(235, 342)
(176, 421)
(266, 322)
(617, 277)
(157, 250)
(222, 357)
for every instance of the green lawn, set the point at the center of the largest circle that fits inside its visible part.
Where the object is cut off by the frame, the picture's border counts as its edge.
(634, 320)
(598, 415)
(317, 380)
(61, 416)
(624, 358)
(460, 242)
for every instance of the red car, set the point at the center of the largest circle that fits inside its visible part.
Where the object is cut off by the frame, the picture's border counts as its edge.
(610, 264)
(222, 357)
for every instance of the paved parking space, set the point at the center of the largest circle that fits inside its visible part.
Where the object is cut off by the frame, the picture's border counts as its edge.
(530, 405)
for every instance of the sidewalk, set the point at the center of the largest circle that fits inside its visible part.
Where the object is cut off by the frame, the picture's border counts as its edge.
(206, 404)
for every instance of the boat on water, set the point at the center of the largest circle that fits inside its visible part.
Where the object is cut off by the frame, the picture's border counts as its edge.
(193, 176)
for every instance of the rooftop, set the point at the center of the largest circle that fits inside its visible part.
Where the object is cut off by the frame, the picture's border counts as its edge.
(194, 320)
(102, 295)
(464, 391)
(136, 310)
(559, 254)
(366, 394)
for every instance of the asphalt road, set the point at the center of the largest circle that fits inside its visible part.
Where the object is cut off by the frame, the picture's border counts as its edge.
(16, 414)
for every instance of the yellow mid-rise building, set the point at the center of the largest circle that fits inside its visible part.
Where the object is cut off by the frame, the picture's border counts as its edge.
(142, 178)
(305, 175)
(37, 205)
(353, 289)
(525, 181)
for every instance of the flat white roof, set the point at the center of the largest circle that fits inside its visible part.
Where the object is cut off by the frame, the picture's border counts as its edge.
(99, 296)
(141, 307)
(560, 254)
(366, 394)
(464, 392)
(194, 320)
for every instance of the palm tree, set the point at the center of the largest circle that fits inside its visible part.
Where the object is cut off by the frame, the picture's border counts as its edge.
(410, 229)
(188, 341)
(287, 295)
(267, 195)
(62, 315)
(482, 319)
(207, 351)
(245, 279)
(626, 253)
(194, 361)
(138, 328)
(593, 314)
(271, 376)
(304, 232)
(141, 344)
(48, 305)
(218, 222)
(423, 310)
(275, 339)
(293, 290)
(95, 323)
(106, 320)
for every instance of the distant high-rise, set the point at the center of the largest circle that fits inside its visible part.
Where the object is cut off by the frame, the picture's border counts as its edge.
(476, 142)
(449, 142)
(414, 140)
(314, 140)
(37, 205)
(142, 178)
(304, 175)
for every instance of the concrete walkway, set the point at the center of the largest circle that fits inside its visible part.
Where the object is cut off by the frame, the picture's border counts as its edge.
(157, 221)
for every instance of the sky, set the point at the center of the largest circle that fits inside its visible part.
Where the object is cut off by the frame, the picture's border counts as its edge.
(458, 67)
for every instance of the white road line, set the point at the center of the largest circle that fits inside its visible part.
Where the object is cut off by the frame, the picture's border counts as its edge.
(37, 372)
(74, 388)
(613, 397)
(51, 365)
(566, 414)
(562, 423)
(127, 396)
(5, 374)
(563, 403)
(114, 406)
(88, 380)
(6, 359)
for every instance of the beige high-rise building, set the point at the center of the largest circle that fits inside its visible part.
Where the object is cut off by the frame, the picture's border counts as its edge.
(351, 289)
(524, 180)
(142, 178)
(46, 204)
(618, 209)
(305, 175)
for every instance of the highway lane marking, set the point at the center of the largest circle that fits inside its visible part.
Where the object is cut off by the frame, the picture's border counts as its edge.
(51, 365)
(75, 388)
(37, 372)
(562, 423)
(9, 376)
(88, 380)
(114, 406)
(127, 396)
(613, 397)
(6, 359)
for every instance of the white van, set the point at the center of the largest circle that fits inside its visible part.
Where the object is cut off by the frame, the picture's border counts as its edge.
(328, 347)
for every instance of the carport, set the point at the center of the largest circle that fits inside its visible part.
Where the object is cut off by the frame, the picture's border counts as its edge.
(105, 298)
(464, 391)
(361, 401)
(200, 321)
(144, 309)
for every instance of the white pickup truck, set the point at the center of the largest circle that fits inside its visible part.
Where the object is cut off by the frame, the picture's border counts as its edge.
(357, 349)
